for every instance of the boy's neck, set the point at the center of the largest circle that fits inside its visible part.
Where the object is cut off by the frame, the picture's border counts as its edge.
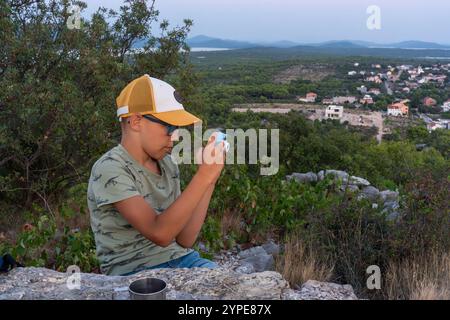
(141, 157)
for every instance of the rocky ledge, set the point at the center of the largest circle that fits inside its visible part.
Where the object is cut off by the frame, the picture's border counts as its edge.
(388, 200)
(183, 284)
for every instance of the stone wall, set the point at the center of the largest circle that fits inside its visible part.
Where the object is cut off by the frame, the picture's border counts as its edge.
(187, 284)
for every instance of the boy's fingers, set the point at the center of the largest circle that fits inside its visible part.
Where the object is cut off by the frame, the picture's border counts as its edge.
(221, 151)
(199, 155)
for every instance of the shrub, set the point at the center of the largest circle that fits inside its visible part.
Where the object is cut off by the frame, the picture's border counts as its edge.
(59, 86)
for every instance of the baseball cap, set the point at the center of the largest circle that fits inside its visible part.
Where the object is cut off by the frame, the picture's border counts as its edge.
(147, 95)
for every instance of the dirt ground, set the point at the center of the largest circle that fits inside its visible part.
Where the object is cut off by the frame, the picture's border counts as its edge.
(313, 72)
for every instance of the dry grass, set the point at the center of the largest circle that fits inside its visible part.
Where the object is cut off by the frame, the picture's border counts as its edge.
(231, 222)
(11, 222)
(300, 263)
(233, 226)
(423, 278)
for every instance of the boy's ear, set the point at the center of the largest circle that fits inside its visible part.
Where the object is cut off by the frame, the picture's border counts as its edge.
(134, 119)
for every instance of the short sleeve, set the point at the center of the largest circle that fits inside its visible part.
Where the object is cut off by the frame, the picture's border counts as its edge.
(175, 175)
(112, 183)
(177, 183)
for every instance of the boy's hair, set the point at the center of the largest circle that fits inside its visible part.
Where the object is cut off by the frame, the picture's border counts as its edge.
(124, 123)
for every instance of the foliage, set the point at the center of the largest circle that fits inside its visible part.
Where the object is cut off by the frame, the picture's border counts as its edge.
(59, 87)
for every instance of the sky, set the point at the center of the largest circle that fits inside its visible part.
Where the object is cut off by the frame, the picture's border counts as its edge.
(306, 21)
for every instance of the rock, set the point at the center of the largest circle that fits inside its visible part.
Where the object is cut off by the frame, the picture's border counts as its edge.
(321, 175)
(391, 205)
(349, 188)
(245, 267)
(337, 174)
(302, 177)
(370, 193)
(420, 146)
(258, 258)
(388, 195)
(344, 177)
(183, 284)
(253, 251)
(202, 247)
(261, 262)
(254, 259)
(271, 248)
(359, 181)
(315, 290)
(177, 295)
(391, 208)
(193, 284)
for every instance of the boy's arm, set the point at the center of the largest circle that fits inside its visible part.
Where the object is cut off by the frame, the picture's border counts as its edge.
(162, 229)
(187, 237)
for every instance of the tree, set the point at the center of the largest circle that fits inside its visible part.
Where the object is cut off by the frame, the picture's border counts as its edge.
(59, 87)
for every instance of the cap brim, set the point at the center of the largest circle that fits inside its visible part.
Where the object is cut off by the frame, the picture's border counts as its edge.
(177, 117)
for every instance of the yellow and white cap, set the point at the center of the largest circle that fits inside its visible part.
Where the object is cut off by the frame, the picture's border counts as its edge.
(147, 95)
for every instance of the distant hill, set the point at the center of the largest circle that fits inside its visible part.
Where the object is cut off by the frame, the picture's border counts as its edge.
(211, 42)
(271, 53)
(413, 44)
(279, 44)
(417, 45)
(202, 41)
(208, 42)
(338, 44)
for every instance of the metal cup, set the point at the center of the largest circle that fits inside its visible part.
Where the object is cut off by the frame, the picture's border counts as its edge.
(148, 289)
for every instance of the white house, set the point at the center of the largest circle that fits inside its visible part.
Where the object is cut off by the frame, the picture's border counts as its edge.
(362, 89)
(375, 91)
(439, 124)
(367, 99)
(334, 112)
(397, 110)
(310, 97)
(446, 106)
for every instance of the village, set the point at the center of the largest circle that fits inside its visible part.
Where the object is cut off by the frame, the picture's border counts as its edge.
(398, 82)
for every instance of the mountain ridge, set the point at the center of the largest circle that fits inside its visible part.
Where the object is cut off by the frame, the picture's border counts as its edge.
(212, 42)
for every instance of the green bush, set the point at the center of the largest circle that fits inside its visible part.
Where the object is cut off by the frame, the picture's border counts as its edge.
(59, 87)
(43, 244)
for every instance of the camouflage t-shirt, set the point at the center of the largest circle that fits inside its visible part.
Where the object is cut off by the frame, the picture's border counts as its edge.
(117, 176)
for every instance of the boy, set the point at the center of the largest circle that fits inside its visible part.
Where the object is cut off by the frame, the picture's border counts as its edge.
(139, 216)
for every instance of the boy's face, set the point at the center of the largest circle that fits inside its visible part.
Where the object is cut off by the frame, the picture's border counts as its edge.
(154, 138)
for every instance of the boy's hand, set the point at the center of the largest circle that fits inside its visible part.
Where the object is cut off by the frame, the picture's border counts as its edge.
(211, 159)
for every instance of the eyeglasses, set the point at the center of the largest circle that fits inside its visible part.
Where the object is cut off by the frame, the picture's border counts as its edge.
(170, 128)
